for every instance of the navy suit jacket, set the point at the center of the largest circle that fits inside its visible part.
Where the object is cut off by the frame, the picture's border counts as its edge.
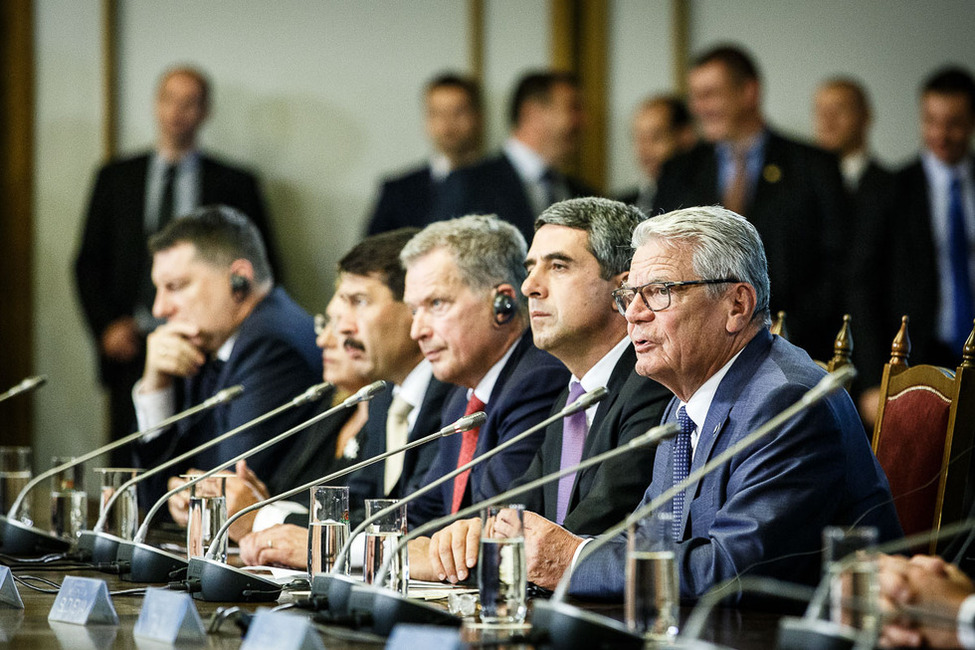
(799, 209)
(493, 186)
(275, 359)
(763, 512)
(604, 494)
(406, 200)
(522, 397)
(369, 482)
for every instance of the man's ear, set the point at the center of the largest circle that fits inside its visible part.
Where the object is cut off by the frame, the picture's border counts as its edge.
(741, 300)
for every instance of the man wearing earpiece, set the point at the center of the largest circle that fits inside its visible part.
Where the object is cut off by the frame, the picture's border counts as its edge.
(469, 317)
(226, 324)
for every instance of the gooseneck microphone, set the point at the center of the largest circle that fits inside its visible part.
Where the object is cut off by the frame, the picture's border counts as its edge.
(568, 626)
(389, 607)
(337, 586)
(18, 539)
(208, 579)
(140, 562)
(102, 548)
(25, 386)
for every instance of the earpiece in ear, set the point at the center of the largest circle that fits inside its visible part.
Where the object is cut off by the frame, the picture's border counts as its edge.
(504, 308)
(239, 286)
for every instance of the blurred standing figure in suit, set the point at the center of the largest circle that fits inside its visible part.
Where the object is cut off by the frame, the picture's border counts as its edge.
(454, 125)
(661, 128)
(133, 198)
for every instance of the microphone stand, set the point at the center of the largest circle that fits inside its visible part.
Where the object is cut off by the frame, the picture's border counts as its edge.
(19, 539)
(140, 562)
(338, 587)
(25, 386)
(102, 548)
(567, 626)
(208, 579)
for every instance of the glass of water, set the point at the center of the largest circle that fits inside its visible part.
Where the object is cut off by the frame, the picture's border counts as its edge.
(14, 475)
(69, 501)
(207, 515)
(123, 520)
(382, 537)
(502, 573)
(328, 527)
(850, 561)
(652, 594)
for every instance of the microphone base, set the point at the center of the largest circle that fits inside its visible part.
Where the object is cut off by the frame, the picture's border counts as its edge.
(21, 540)
(566, 626)
(217, 582)
(143, 563)
(389, 608)
(98, 548)
(336, 588)
(814, 634)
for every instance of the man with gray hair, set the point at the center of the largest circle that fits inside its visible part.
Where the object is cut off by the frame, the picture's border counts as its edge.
(469, 318)
(579, 254)
(696, 304)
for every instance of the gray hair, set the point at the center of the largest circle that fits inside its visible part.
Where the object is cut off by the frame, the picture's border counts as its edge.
(486, 250)
(609, 225)
(725, 245)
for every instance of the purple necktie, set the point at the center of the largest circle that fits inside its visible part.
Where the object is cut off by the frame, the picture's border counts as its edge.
(682, 466)
(574, 431)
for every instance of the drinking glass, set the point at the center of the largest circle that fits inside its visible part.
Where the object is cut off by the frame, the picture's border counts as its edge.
(15, 473)
(328, 527)
(652, 594)
(123, 520)
(207, 515)
(850, 562)
(69, 501)
(382, 537)
(502, 573)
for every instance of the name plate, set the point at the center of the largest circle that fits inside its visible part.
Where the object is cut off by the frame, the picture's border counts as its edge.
(169, 617)
(411, 637)
(282, 631)
(83, 601)
(9, 596)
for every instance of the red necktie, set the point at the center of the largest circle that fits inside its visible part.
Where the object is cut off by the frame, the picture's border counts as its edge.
(467, 447)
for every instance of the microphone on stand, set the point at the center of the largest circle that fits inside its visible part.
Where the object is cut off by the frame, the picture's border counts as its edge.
(567, 626)
(102, 548)
(27, 385)
(208, 579)
(141, 562)
(337, 586)
(389, 607)
(19, 539)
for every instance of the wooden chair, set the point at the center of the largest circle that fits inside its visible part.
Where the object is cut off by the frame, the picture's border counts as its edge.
(923, 436)
(778, 326)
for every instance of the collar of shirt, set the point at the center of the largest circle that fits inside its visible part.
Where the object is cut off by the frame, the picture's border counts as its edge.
(700, 402)
(852, 167)
(754, 157)
(485, 387)
(414, 388)
(529, 165)
(600, 373)
(440, 167)
(225, 350)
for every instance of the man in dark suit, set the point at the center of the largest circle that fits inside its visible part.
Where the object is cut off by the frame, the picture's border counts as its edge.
(133, 198)
(842, 117)
(579, 254)
(696, 302)
(528, 175)
(792, 192)
(932, 277)
(469, 317)
(454, 123)
(225, 324)
(662, 128)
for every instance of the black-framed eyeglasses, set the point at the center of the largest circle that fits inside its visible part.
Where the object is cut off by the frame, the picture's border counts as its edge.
(656, 295)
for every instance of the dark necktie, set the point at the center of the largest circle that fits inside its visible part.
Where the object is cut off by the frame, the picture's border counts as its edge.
(166, 201)
(964, 310)
(682, 466)
(467, 447)
(550, 182)
(736, 193)
(574, 431)
(208, 379)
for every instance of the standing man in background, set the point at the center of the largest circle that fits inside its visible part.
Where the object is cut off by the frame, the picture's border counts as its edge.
(133, 198)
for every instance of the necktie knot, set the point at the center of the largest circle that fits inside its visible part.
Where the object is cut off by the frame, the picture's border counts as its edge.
(400, 409)
(575, 392)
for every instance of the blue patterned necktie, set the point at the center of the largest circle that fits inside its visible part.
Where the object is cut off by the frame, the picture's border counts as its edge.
(682, 466)
(961, 285)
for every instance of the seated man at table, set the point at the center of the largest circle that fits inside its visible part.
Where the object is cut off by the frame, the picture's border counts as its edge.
(579, 254)
(696, 302)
